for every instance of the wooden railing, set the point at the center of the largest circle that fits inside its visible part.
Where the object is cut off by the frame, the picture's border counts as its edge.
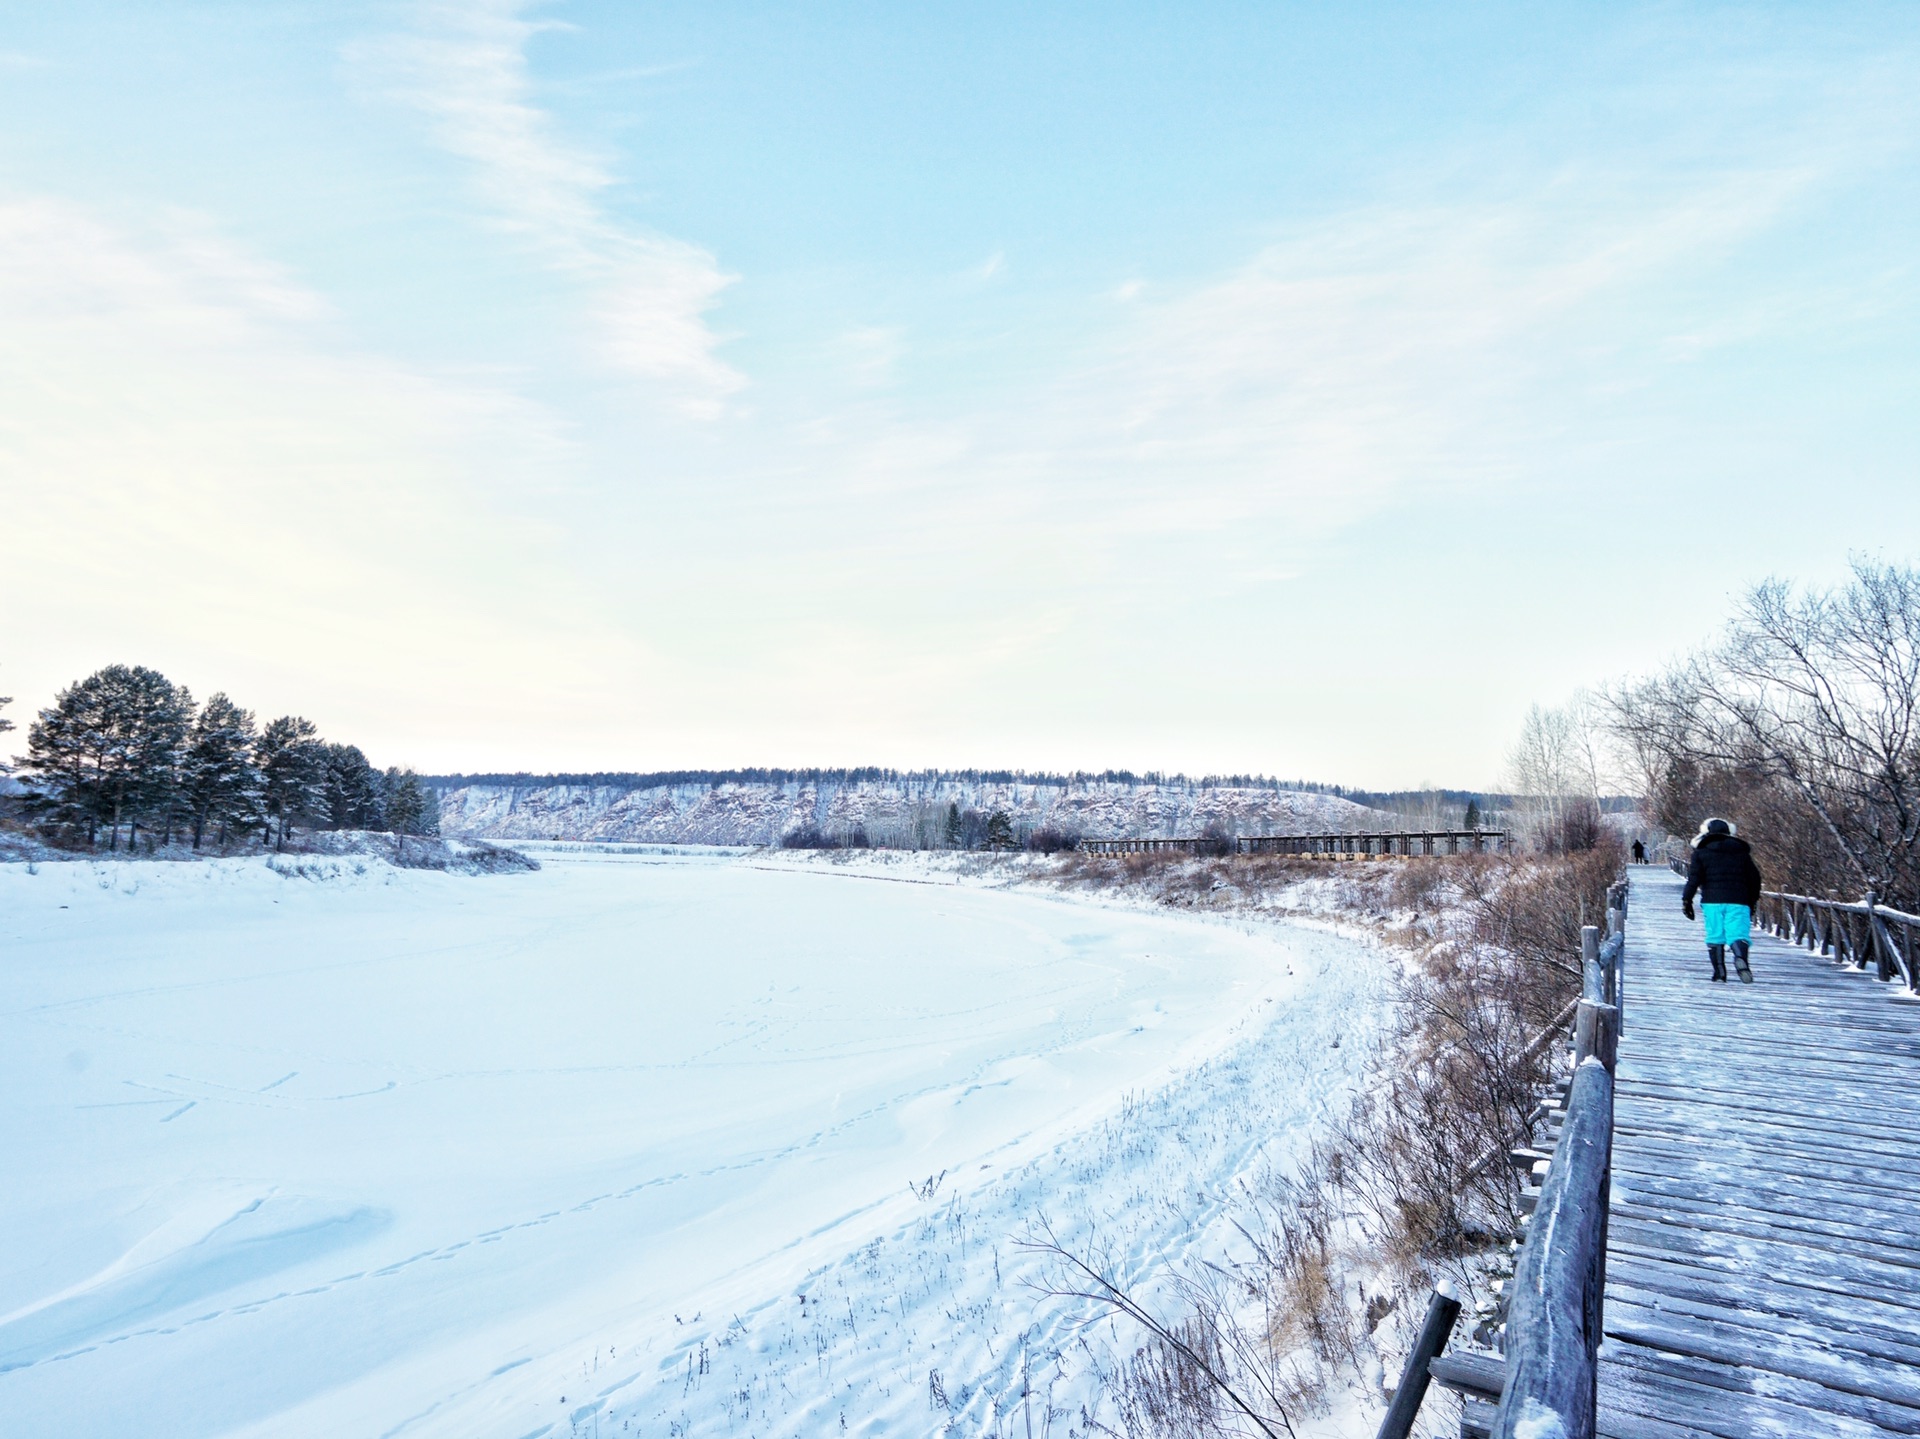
(1862, 934)
(1544, 1382)
(1317, 846)
(1554, 1311)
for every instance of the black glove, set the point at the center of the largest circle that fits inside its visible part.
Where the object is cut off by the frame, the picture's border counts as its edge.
(1686, 908)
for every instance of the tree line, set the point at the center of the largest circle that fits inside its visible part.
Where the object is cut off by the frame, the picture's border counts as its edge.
(877, 774)
(1802, 724)
(127, 754)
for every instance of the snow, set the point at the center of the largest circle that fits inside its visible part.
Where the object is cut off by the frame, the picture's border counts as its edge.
(356, 1150)
(903, 812)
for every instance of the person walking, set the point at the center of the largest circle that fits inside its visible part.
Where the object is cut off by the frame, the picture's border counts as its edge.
(1723, 874)
(1639, 852)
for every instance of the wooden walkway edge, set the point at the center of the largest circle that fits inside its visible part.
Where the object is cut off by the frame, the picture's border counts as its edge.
(1763, 1247)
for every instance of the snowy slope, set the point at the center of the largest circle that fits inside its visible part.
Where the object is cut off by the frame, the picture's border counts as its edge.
(896, 812)
(371, 1152)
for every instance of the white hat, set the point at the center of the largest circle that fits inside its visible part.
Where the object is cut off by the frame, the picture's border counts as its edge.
(1713, 827)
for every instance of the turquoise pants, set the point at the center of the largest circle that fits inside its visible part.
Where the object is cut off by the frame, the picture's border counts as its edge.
(1727, 922)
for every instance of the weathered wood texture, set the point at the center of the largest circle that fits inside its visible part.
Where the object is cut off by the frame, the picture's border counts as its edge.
(1554, 1321)
(1763, 1247)
(1442, 1311)
(1867, 934)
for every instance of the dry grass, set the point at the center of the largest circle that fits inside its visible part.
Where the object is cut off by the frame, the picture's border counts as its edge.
(1402, 1191)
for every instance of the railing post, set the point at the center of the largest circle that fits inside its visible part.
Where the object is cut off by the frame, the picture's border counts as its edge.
(1593, 984)
(1442, 1310)
(1596, 1034)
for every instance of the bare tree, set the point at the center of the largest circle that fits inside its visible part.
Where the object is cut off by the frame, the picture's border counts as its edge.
(1805, 711)
(1557, 771)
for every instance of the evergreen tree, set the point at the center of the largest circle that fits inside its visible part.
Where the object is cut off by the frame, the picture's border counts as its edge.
(411, 808)
(108, 751)
(220, 784)
(1000, 831)
(953, 825)
(158, 713)
(1472, 820)
(292, 765)
(66, 759)
(350, 789)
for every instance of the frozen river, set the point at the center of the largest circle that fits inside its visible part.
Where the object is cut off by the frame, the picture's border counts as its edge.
(405, 1153)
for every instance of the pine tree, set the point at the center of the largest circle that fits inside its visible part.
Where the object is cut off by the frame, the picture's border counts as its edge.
(292, 765)
(158, 713)
(411, 808)
(108, 751)
(953, 825)
(350, 789)
(1000, 831)
(1472, 820)
(65, 760)
(220, 784)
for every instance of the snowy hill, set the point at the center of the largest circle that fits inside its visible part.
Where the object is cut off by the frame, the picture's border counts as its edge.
(909, 810)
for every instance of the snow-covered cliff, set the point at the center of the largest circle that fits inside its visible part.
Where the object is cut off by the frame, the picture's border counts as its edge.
(909, 811)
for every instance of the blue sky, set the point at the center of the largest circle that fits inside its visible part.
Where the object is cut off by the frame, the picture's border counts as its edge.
(1288, 389)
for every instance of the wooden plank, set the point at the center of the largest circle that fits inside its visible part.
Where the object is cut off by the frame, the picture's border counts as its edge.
(1641, 1385)
(1733, 1215)
(1753, 1393)
(1618, 1424)
(1758, 1146)
(1853, 1335)
(1737, 1292)
(1783, 1198)
(1665, 1157)
(1728, 1121)
(1846, 1281)
(1808, 1111)
(1723, 1342)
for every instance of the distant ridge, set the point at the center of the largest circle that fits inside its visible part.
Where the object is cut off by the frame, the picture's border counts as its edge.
(913, 809)
(874, 774)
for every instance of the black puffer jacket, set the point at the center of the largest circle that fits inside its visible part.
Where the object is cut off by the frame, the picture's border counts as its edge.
(1722, 872)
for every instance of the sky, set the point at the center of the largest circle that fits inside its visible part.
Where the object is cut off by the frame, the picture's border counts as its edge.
(1227, 388)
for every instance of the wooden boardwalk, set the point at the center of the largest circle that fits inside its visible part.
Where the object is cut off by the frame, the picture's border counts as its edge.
(1763, 1250)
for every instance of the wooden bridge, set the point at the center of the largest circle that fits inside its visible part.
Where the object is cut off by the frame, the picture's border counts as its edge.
(1763, 1247)
(1357, 845)
(1727, 1241)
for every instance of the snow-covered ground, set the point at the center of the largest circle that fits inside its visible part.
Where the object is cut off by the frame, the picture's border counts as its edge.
(650, 1144)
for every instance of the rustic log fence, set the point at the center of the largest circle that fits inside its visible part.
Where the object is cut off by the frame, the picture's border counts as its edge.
(1359, 845)
(1866, 935)
(1545, 1379)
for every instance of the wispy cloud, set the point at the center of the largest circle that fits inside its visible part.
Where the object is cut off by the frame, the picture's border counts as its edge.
(465, 68)
(208, 469)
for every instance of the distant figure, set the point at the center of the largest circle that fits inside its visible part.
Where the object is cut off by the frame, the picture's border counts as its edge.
(1639, 852)
(1725, 877)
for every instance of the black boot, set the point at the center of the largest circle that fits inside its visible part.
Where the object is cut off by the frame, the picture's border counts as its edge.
(1740, 962)
(1718, 954)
